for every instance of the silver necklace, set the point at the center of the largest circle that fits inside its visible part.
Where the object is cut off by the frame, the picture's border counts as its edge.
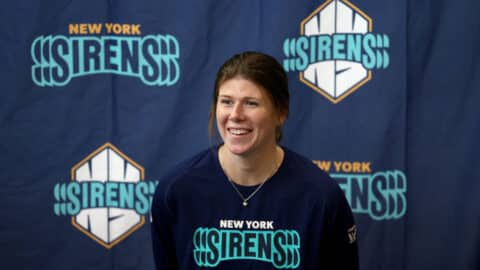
(246, 199)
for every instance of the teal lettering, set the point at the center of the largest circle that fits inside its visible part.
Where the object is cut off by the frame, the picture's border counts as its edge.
(149, 69)
(56, 194)
(250, 246)
(281, 247)
(111, 194)
(72, 197)
(97, 190)
(368, 49)
(235, 244)
(324, 45)
(111, 54)
(213, 249)
(45, 54)
(264, 246)
(339, 47)
(381, 195)
(386, 57)
(59, 64)
(302, 60)
(286, 51)
(197, 248)
(313, 49)
(397, 189)
(129, 55)
(56, 60)
(279, 250)
(172, 74)
(293, 52)
(354, 49)
(126, 195)
(153, 185)
(359, 192)
(36, 53)
(142, 204)
(91, 52)
(77, 47)
(85, 193)
(379, 201)
(73, 190)
(368, 59)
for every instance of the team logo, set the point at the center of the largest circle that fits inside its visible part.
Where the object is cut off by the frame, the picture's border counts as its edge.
(246, 240)
(107, 197)
(336, 50)
(352, 234)
(105, 48)
(381, 195)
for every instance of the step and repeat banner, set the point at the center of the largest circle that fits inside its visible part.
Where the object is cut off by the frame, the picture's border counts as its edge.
(100, 98)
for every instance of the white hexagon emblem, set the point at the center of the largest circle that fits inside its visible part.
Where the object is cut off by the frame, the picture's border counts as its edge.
(107, 225)
(335, 79)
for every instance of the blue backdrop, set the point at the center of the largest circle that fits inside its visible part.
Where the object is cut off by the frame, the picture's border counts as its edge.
(100, 98)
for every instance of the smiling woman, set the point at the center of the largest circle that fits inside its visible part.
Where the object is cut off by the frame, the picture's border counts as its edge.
(247, 121)
(245, 116)
(251, 179)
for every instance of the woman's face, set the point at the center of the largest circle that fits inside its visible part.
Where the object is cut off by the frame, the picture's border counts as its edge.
(246, 117)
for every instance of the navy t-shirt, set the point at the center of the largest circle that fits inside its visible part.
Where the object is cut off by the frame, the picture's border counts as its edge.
(299, 219)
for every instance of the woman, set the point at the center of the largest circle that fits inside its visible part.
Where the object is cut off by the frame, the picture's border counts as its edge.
(249, 203)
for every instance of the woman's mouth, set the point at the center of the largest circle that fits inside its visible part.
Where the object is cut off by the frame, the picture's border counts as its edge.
(238, 131)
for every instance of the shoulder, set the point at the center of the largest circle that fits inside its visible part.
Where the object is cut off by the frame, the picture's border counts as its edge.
(303, 172)
(323, 191)
(197, 166)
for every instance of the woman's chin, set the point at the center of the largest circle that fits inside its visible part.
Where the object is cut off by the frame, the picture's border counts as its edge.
(238, 149)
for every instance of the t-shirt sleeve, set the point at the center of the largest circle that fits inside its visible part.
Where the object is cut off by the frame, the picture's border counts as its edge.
(162, 232)
(342, 235)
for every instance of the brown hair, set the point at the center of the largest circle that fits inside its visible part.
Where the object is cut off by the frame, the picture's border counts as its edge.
(261, 69)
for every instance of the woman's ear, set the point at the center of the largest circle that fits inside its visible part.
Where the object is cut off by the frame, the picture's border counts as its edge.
(282, 116)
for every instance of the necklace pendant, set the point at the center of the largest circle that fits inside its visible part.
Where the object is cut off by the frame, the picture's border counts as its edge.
(245, 203)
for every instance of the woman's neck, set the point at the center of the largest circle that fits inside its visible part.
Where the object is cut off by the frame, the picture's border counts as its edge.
(252, 169)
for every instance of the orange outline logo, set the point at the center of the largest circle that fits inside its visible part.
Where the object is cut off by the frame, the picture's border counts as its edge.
(107, 226)
(336, 50)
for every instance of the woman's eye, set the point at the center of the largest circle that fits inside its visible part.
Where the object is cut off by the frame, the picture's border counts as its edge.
(252, 103)
(226, 101)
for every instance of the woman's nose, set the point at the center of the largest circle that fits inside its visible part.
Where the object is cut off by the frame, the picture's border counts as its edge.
(237, 112)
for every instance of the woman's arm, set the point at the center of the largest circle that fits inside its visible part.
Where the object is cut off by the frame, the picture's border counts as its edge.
(162, 233)
(342, 235)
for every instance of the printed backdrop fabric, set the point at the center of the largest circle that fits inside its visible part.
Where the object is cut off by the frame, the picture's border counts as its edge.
(100, 98)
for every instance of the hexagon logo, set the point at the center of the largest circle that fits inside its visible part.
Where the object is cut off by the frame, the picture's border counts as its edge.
(107, 173)
(335, 79)
(336, 50)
